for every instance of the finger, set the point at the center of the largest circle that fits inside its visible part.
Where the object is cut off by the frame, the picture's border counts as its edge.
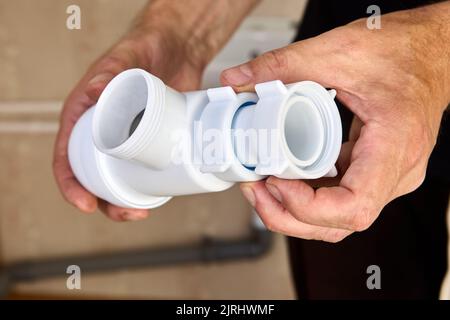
(70, 188)
(106, 68)
(365, 188)
(97, 84)
(276, 218)
(122, 214)
(80, 99)
(288, 64)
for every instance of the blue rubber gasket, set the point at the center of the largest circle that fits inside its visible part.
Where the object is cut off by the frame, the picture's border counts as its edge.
(245, 104)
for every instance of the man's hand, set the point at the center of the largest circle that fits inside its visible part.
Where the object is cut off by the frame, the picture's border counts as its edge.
(150, 52)
(173, 40)
(396, 82)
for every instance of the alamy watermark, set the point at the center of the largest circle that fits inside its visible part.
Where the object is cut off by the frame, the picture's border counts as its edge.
(217, 147)
(73, 281)
(374, 21)
(73, 21)
(374, 280)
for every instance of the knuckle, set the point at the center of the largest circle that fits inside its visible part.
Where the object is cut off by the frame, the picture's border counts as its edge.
(269, 223)
(334, 235)
(271, 226)
(334, 239)
(113, 64)
(419, 179)
(419, 147)
(276, 60)
(350, 43)
(362, 219)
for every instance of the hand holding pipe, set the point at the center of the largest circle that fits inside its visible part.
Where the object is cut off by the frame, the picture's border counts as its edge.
(144, 142)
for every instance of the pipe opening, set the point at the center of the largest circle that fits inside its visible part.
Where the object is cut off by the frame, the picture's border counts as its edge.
(303, 131)
(136, 122)
(123, 110)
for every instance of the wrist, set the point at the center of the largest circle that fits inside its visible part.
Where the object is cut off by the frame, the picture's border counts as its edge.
(159, 30)
(436, 43)
(196, 28)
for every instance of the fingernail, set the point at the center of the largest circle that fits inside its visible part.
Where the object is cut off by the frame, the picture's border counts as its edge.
(132, 216)
(249, 195)
(274, 191)
(100, 78)
(85, 205)
(238, 76)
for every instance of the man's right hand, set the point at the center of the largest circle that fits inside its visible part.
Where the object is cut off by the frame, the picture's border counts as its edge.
(174, 40)
(162, 54)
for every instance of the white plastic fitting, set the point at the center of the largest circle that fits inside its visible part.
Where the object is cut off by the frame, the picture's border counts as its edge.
(144, 142)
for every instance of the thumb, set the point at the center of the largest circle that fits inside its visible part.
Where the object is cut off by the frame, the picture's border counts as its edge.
(288, 64)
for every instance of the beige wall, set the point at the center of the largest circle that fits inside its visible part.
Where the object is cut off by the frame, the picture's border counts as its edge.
(40, 60)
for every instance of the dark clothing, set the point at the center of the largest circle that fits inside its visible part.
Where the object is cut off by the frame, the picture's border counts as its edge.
(409, 239)
(408, 242)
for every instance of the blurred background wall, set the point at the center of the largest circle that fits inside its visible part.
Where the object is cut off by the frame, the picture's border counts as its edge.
(40, 60)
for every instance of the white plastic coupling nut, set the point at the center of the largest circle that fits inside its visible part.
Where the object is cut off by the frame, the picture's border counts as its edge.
(218, 119)
(148, 142)
(307, 130)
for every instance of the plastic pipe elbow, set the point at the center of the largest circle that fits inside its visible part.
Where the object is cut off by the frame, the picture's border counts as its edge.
(144, 142)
